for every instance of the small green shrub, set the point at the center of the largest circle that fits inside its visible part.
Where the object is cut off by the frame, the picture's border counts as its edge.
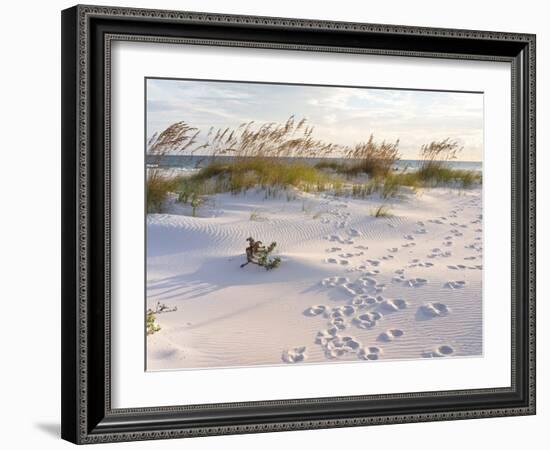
(151, 325)
(196, 201)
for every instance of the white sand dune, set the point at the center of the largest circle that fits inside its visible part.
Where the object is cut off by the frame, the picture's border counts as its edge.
(350, 287)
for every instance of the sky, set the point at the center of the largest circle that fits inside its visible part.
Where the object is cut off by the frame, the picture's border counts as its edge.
(340, 115)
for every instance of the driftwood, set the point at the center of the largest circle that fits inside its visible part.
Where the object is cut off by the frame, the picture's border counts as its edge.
(257, 253)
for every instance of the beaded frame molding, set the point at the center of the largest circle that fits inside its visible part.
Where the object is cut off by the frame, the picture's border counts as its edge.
(87, 35)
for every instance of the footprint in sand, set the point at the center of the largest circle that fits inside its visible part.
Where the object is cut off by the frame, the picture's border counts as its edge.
(371, 284)
(294, 355)
(416, 282)
(396, 304)
(352, 288)
(425, 264)
(398, 279)
(372, 272)
(363, 301)
(342, 262)
(359, 268)
(333, 249)
(339, 239)
(437, 253)
(367, 281)
(367, 320)
(361, 247)
(351, 255)
(324, 336)
(435, 309)
(456, 267)
(410, 244)
(377, 289)
(455, 284)
(334, 281)
(393, 250)
(439, 352)
(456, 233)
(353, 232)
(390, 335)
(315, 310)
(337, 323)
(478, 248)
(370, 353)
(340, 346)
(408, 237)
(346, 255)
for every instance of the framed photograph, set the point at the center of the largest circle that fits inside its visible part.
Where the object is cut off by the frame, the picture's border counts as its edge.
(280, 224)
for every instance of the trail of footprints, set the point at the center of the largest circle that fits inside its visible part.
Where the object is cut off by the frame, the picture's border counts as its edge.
(366, 306)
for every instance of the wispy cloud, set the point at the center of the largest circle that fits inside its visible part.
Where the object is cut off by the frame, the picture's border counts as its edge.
(339, 115)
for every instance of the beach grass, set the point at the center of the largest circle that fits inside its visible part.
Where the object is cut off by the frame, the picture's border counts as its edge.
(158, 188)
(272, 157)
(382, 211)
(247, 173)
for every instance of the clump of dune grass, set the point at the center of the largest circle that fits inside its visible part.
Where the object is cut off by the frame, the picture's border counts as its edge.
(437, 154)
(243, 174)
(371, 157)
(382, 211)
(157, 189)
(176, 139)
(269, 156)
(387, 186)
(435, 167)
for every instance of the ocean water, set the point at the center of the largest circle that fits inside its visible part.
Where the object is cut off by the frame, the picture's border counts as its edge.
(195, 162)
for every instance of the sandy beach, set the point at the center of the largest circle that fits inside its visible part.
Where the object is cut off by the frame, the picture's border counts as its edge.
(350, 287)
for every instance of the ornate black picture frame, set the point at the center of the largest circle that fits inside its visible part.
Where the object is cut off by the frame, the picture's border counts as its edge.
(87, 34)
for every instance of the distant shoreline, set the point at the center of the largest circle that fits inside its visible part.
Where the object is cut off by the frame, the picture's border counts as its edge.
(198, 161)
